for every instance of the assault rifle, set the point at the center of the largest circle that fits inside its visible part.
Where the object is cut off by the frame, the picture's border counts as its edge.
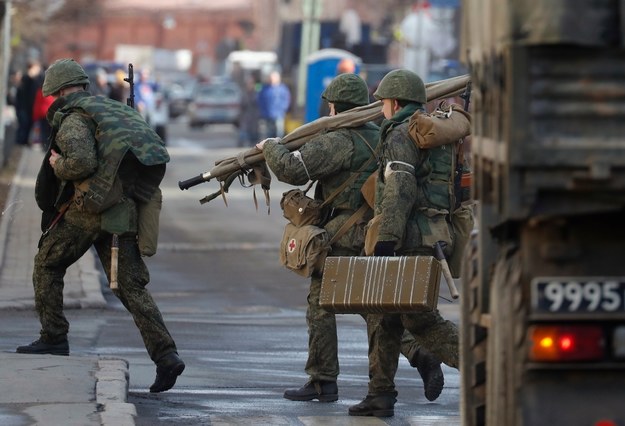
(466, 96)
(130, 100)
(460, 173)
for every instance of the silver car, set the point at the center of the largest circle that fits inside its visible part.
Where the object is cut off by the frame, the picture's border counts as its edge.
(215, 103)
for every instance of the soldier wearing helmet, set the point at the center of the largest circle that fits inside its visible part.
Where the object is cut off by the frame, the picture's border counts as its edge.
(331, 158)
(410, 223)
(84, 205)
(62, 74)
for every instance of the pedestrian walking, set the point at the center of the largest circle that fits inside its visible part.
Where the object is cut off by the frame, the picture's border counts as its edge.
(40, 122)
(30, 83)
(274, 99)
(250, 114)
(86, 205)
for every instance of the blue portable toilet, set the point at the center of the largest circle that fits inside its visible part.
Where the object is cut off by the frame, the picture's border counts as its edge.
(321, 69)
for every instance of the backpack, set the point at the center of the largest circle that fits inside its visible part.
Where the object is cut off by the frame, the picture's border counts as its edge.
(448, 125)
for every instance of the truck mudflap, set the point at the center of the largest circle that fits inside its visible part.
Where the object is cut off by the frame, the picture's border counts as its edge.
(556, 397)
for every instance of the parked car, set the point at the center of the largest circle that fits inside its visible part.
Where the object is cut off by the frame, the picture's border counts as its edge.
(178, 97)
(215, 103)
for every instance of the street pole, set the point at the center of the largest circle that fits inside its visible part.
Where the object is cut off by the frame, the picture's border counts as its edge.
(309, 43)
(6, 58)
(303, 52)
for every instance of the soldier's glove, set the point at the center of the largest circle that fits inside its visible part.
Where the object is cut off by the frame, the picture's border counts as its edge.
(261, 145)
(384, 248)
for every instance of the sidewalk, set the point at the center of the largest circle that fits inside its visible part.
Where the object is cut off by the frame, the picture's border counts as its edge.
(70, 390)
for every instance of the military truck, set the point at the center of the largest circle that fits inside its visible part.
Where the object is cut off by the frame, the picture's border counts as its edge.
(543, 300)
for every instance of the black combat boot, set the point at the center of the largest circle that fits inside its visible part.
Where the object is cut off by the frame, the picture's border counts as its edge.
(430, 370)
(374, 405)
(59, 347)
(324, 391)
(168, 369)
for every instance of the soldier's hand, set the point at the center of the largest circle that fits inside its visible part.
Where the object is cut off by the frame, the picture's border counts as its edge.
(53, 157)
(260, 145)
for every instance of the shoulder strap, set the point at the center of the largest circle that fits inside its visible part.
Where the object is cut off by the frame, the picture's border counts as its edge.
(357, 215)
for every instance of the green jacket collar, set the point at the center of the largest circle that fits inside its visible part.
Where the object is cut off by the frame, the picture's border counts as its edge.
(400, 116)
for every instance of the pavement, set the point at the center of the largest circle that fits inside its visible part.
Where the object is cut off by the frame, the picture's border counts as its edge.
(48, 389)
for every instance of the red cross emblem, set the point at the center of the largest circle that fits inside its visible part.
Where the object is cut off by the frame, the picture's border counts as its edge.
(292, 245)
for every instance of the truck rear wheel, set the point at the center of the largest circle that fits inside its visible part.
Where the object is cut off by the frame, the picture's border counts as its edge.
(505, 354)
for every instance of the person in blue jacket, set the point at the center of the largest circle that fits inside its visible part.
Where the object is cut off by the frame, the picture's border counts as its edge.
(274, 99)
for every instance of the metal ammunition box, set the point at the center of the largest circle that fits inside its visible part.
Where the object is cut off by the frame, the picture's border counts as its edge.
(380, 284)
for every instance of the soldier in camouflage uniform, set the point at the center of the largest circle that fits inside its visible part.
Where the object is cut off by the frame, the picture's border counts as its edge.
(413, 219)
(331, 158)
(127, 156)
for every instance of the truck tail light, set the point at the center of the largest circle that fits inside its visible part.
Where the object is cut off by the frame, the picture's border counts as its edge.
(551, 343)
(605, 423)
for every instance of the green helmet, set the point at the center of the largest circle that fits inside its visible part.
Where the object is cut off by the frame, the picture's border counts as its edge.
(63, 73)
(401, 84)
(347, 88)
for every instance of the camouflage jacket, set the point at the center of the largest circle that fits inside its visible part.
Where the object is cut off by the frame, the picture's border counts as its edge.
(94, 134)
(330, 158)
(414, 215)
(117, 128)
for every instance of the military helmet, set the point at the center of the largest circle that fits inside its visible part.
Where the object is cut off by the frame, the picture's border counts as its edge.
(63, 73)
(347, 88)
(401, 84)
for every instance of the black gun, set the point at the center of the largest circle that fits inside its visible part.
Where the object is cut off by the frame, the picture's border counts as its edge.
(130, 101)
(466, 95)
(460, 171)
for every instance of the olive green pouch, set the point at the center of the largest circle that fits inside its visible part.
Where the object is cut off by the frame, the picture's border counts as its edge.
(148, 226)
(462, 221)
(120, 219)
(434, 227)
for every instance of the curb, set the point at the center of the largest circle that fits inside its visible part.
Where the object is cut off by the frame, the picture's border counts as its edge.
(112, 392)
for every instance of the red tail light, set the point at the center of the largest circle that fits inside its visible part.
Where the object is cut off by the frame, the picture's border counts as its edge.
(551, 343)
(605, 423)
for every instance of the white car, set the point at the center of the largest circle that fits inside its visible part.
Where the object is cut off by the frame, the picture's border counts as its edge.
(215, 103)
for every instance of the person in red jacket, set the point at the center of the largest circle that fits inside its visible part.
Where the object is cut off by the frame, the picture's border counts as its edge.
(40, 123)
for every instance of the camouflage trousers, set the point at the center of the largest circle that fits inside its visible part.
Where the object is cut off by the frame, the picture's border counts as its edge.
(323, 360)
(387, 339)
(63, 246)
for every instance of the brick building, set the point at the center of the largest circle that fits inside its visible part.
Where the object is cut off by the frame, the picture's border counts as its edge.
(208, 29)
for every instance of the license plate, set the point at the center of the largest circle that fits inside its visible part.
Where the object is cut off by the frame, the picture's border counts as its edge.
(578, 295)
